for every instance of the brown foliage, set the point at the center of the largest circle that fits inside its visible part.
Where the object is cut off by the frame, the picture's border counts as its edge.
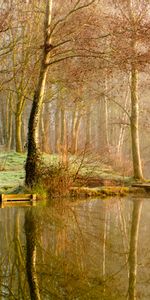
(56, 179)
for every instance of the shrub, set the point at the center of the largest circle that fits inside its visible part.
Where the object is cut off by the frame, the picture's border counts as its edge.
(56, 179)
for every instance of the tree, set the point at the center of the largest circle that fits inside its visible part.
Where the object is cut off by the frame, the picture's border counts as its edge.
(130, 51)
(33, 152)
(23, 36)
(134, 97)
(47, 59)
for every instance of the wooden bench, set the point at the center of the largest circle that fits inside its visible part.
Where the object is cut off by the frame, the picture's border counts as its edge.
(17, 197)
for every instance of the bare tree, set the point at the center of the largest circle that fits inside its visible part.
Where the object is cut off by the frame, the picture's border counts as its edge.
(47, 59)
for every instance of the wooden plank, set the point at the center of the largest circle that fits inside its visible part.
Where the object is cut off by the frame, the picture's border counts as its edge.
(11, 196)
(17, 203)
(17, 197)
(142, 185)
(145, 186)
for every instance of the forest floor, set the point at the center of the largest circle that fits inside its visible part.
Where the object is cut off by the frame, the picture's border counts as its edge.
(93, 176)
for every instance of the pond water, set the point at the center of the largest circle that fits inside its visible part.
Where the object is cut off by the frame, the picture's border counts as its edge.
(93, 249)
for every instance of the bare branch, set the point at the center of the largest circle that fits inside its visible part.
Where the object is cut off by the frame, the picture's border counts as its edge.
(72, 11)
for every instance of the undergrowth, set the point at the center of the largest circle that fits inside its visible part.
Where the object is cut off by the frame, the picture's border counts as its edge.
(54, 180)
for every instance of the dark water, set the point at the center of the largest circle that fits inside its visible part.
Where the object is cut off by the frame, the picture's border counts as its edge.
(97, 249)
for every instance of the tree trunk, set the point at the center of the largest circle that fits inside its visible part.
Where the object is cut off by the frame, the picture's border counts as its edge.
(63, 138)
(75, 131)
(32, 162)
(123, 127)
(4, 123)
(45, 128)
(9, 139)
(103, 144)
(57, 126)
(102, 127)
(18, 123)
(9, 122)
(137, 168)
(13, 135)
(88, 127)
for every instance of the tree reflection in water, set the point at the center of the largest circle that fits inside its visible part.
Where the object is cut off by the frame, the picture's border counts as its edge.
(83, 251)
(32, 233)
(136, 215)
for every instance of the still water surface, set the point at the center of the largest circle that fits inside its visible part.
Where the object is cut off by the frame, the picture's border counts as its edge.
(95, 249)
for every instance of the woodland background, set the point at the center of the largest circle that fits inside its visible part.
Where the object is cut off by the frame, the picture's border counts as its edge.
(98, 76)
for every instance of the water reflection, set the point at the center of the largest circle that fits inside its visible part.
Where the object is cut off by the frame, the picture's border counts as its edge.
(32, 233)
(88, 250)
(133, 258)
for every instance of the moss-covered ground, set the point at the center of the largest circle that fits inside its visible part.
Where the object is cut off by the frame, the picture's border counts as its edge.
(88, 172)
(11, 170)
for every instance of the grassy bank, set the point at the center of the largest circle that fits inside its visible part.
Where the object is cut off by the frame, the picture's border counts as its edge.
(89, 176)
(11, 170)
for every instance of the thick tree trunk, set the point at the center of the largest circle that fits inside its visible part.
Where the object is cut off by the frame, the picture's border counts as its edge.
(45, 129)
(137, 168)
(32, 162)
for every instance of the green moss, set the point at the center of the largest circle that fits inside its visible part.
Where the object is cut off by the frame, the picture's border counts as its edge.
(12, 174)
(11, 161)
(102, 191)
(146, 180)
(39, 190)
(10, 179)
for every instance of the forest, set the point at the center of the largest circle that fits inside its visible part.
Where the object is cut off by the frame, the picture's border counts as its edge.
(75, 82)
(74, 149)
